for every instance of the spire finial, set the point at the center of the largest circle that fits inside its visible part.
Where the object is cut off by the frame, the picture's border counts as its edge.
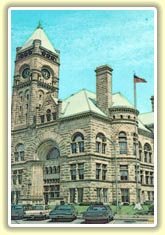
(39, 25)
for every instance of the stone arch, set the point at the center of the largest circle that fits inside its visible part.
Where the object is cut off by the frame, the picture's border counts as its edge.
(44, 148)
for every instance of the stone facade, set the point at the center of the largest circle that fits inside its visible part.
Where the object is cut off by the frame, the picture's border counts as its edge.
(76, 158)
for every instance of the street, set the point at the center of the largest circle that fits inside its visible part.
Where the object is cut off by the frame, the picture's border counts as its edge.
(77, 221)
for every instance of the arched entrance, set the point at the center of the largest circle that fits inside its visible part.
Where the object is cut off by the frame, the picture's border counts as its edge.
(49, 153)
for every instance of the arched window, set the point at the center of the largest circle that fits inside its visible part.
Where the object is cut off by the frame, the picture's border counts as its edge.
(140, 151)
(147, 153)
(135, 137)
(19, 153)
(53, 154)
(100, 143)
(77, 145)
(123, 142)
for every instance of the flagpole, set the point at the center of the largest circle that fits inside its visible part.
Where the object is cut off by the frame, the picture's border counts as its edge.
(136, 80)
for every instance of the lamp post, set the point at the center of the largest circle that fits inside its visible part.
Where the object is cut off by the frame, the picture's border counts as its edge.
(116, 181)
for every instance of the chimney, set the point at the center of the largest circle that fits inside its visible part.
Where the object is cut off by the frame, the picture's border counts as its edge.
(104, 87)
(152, 102)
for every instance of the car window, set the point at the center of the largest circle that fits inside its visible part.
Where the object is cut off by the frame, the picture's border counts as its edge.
(97, 208)
(63, 207)
(38, 207)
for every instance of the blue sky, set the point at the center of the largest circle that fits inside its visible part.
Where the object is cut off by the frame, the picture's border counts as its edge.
(124, 39)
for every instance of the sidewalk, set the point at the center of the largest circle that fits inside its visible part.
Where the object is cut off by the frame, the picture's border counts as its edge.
(149, 218)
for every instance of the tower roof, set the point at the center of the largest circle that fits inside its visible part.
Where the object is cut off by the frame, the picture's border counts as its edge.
(40, 34)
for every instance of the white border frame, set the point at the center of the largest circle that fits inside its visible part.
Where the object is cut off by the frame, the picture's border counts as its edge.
(9, 117)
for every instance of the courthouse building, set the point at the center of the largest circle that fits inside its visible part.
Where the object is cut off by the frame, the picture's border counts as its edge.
(88, 147)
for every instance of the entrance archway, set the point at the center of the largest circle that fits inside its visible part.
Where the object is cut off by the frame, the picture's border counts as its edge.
(49, 153)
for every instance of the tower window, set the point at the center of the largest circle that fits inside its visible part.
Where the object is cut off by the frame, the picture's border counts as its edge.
(124, 172)
(134, 144)
(54, 116)
(140, 151)
(48, 115)
(123, 143)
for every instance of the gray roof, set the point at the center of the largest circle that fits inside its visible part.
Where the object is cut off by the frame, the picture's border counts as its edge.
(85, 101)
(80, 102)
(147, 118)
(41, 35)
(118, 100)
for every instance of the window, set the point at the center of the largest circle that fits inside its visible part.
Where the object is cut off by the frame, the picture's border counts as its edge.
(125, 195)
(77, 145)
(100, 143)
(54, 115)
(105, 195)
(54, 170)
(48, 115)
(104, 171)
(98, 191)
(140, 151)
(147, 177)
(101, 171)
(137, 173)
(46, 170)
(17, 177)
(42, 117)
(73, 171)
(53, 154)
(80, 192)
(123, 143)
(81, 171)
(124, 172)
(27, 96)
(98, 171)
(19, 153)
(134, 144)
(147, 153)
(141, 177)
(72, 195)
(151, 178)
(77, 170)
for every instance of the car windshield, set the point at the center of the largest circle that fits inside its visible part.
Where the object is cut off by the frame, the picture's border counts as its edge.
(18, 207)
(63, 207)
(97, 208)
(38, 207)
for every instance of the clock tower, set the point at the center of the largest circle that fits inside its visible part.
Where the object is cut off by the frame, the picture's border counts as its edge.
(36, 81)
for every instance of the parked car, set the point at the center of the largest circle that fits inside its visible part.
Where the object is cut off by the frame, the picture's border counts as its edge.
(37, 212)
(98, 213)
(63, 212)
(17, 211)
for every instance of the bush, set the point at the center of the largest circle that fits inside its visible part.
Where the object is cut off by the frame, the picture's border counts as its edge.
(151, 209)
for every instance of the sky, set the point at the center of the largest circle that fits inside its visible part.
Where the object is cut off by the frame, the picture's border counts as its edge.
(121, 38)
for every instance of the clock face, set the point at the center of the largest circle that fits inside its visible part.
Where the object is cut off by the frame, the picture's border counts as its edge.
(45, 73)
(26, 73)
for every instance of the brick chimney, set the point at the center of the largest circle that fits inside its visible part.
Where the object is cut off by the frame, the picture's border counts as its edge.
(104, 87)
(152, 102)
